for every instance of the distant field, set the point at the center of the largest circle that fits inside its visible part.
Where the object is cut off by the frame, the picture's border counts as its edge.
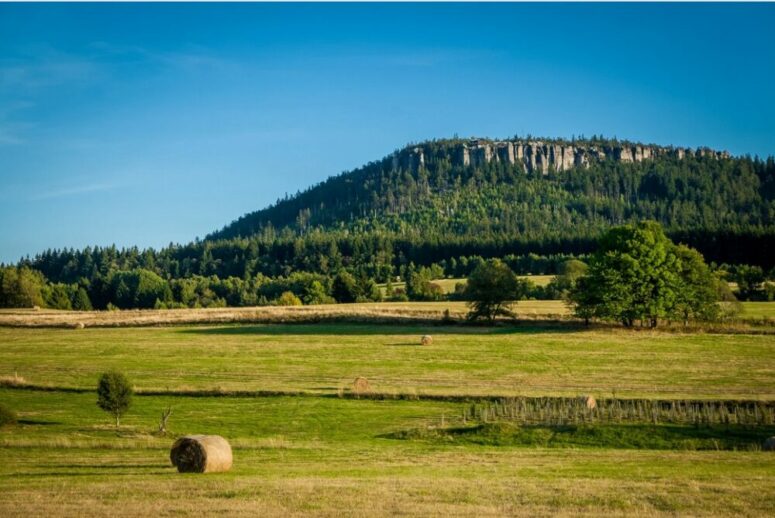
(368, 312)
(448, 285)
(384, 312)
(538, 280)
(763, 310)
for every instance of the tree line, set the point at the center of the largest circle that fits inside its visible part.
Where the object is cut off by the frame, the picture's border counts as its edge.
(22, 286)
(636, 276)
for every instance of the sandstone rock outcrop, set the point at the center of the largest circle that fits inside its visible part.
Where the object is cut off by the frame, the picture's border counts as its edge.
(536, 156)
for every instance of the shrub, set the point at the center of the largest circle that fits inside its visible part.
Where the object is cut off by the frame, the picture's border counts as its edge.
(288, 299)
(419, 286)
(399, 295)
(315, 293)
(460, 291)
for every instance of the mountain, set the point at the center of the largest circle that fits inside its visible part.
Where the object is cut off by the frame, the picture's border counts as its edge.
(530, 190)
(452, 202)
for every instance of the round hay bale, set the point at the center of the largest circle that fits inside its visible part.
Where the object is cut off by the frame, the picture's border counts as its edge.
(588, 401)
(769, 444)
(361, 385)
(426, 340)
(201, 454)
(79, 325)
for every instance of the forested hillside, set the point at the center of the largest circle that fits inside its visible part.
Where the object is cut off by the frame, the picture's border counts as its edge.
(447, 204)
(440, 190)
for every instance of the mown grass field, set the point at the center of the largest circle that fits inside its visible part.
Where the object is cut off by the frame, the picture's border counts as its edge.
(332, 457)
(320, 454)
(532, 359)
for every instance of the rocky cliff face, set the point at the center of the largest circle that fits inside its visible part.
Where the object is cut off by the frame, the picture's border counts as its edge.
(543, 157)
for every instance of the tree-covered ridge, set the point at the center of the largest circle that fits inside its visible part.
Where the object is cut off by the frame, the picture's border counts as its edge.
(441, 196)
(424, 207)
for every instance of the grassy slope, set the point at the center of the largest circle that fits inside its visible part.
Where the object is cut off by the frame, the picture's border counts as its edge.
(529, 359)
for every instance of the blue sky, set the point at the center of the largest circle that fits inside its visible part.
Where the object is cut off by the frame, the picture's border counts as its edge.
(144, 124)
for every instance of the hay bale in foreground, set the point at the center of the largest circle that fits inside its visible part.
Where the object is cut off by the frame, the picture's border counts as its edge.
(588, 401)
(426, 340)
(361, 385)
(79, 325)
(201, 454)
(769, 444)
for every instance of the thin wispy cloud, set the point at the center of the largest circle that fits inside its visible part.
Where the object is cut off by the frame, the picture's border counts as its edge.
(45, 71)
(73, 191)
(10, 134)
(193, 57)
(46, 67)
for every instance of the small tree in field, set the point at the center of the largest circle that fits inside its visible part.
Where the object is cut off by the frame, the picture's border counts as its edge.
(114, 394)
(491, 287)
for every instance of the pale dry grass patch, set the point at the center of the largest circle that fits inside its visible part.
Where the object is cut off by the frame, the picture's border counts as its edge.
(392, 312)
(76, 443)
(12, 381)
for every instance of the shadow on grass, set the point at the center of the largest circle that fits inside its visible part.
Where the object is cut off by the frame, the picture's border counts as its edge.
(615, 436)
(70, 474)
(38, 422)
(110, 467)
(364, 329)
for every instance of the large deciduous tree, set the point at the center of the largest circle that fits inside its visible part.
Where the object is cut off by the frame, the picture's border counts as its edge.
(638, 274)
(490, 289)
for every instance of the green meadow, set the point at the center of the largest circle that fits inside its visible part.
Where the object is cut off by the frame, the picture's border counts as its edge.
(313, 448)
(531, 359)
